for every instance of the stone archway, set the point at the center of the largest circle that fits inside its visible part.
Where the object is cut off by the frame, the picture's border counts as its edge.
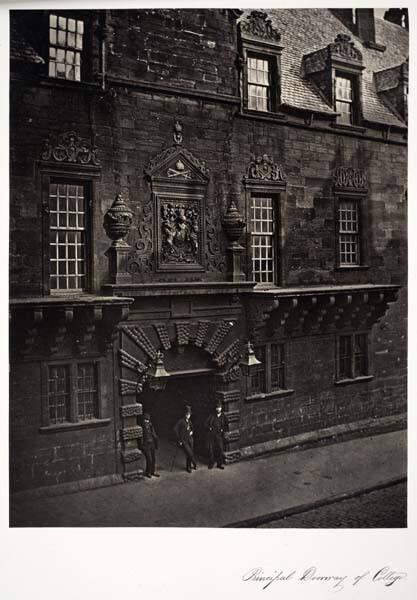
(139, 344)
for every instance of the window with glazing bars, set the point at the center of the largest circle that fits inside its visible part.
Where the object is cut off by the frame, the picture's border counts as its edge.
(67, 232)
(258, 379)
(263, 239)
(259, 83)
(73, 393)
(58, 394)
(65, 47)
(344, 99)
(348, 233)
(277, 367)
(353, 356)
(86, 391)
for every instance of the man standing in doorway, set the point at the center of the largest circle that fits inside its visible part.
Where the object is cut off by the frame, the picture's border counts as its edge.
(184, 433)
(149, 445)
(216, 425)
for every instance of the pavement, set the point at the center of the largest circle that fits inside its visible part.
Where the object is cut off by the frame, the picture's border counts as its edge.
(244, 491)
(380, 508)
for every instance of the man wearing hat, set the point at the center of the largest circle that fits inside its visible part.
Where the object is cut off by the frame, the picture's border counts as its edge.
(216, 425)
(149, 445)
(184, 433)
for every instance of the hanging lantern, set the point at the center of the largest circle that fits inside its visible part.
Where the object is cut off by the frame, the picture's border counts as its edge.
(249, 363)
(157, 374)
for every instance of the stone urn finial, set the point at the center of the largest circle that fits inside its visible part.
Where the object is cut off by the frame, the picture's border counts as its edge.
(117, 221)
(177, 133)
(233, 223)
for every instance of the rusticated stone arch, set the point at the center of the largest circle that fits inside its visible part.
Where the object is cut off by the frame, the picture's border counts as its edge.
(139, 345)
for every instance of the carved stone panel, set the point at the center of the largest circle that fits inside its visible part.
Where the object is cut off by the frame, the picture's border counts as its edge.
(180, 233)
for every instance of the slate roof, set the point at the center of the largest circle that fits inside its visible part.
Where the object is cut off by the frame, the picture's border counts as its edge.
(305, 30)
(20, 50)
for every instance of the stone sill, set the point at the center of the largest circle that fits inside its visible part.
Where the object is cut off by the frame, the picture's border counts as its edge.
(353, 128)
(263, 115)
(74, 426)
(270, 396)
(362, 379)
(341, 268)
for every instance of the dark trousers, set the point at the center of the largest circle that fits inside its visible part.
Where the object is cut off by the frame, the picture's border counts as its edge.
(189, 454)
(215, 450)
(150, 460)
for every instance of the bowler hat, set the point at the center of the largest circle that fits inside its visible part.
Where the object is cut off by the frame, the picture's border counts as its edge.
(147, 416)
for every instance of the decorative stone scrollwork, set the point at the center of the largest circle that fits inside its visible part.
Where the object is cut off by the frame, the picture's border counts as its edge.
(215, 252)
(263, 168)
(258, 25)
(350, 178)
(345, 48)
(72, 149)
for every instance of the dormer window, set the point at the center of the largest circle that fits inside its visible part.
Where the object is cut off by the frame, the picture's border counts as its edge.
(345, 97)
(260, 61)
(65, 47)
(259, 83)
(336, 70)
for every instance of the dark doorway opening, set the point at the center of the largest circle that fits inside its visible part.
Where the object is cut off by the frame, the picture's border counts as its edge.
(166, 407)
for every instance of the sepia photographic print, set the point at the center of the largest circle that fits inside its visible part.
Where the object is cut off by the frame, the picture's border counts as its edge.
(208, 268)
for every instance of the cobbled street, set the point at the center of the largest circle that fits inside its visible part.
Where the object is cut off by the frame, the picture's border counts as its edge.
(381, 508)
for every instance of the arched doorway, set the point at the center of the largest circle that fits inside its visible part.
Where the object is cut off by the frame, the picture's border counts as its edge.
(202, 360)
(167, 406)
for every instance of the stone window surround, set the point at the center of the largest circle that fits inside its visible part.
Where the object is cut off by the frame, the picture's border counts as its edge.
(360, 198)
(355, 79)
(360, 378)
(270, 53)
(73, 422)
(269, 393)
(66, 173)
(277, 191)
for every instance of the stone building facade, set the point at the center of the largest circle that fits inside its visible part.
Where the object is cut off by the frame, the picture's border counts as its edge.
(184, 182)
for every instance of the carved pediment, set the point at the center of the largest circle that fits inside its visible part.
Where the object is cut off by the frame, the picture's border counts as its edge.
(258, 26)
(70, 148)
(263, 168)
(343, 47)
(177, 164)
(350, 178)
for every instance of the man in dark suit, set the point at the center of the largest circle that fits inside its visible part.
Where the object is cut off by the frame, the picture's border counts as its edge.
(216, 425)
(149, 445)
(184, 432)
